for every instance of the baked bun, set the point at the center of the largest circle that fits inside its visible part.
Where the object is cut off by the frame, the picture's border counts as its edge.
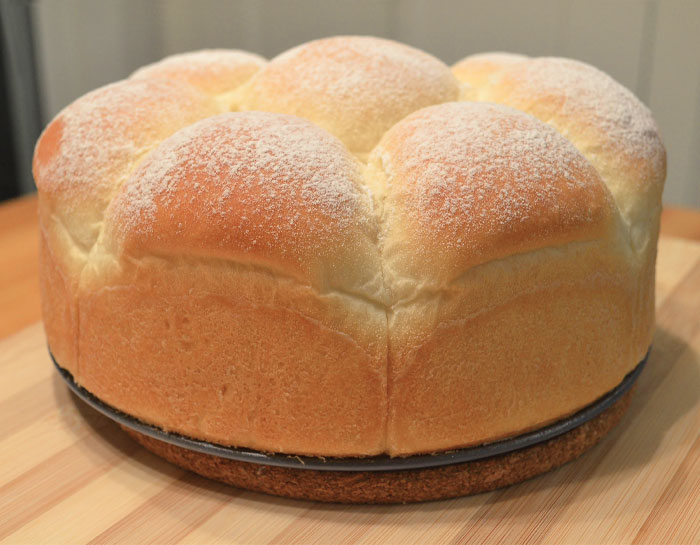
(355, 88)
(351, 249)
(214, 71)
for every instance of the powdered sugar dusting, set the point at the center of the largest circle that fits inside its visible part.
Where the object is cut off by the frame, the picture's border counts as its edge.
(585, 96)
(93, 143)
(344, 66)
(258, 176)
(493, 57)
(475, 68)
(105, 130)
(355, 87)
(470, 169)
(211, 70)
(253, 179)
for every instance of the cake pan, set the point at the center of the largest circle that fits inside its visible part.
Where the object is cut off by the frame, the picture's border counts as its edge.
(373, 463)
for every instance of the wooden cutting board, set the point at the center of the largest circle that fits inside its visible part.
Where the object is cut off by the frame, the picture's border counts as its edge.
(69, 475)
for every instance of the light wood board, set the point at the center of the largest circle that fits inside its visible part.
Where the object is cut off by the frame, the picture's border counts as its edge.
(69, 475)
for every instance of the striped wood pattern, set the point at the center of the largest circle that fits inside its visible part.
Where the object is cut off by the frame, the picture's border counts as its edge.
(68, 475)
(19, 274)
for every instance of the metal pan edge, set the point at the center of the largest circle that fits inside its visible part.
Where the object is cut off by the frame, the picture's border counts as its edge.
(374, 463)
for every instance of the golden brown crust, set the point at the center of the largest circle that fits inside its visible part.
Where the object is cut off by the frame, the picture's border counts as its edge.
(605, 122)
(91, 146)
(467, 183)
(476, 70)
(602, 114)
(237, 356)
(612, 129)
(245, 279)
(294, 203)
(212, 71)
(58, 295)
(555, 336)
(355, 87)
(80, 159)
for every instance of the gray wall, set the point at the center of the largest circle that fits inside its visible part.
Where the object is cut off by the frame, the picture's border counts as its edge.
(652, 47)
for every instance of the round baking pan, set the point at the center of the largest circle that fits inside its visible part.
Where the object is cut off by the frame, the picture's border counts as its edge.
(383, 479)
(375, 463)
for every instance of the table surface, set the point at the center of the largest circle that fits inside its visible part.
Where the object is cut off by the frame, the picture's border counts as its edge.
(69, 475)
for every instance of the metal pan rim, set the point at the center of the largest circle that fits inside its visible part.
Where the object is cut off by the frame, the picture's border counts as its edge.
(373, 463)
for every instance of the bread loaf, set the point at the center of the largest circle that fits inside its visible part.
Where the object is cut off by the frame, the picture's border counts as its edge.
(351, 249)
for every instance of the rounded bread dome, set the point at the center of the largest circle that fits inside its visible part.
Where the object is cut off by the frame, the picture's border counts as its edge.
(92, 144)
(351, 249)
(355, 87)
(469, 182)
(272, 189)
(80, 160)
(476, 70)
(604, 120)
(213, 71)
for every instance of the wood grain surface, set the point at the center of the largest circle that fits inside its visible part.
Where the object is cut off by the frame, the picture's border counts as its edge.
(19, 274)
(69, 475)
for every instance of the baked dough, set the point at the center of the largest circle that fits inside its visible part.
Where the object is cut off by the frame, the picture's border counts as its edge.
(350, 249)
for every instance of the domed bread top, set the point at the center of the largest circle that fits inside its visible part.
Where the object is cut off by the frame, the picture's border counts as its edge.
(90, 147)
(470, 182)
(604, 120)
(476, 70)
(196, 262)
(213, 71)
(355, 87)
(271, 189)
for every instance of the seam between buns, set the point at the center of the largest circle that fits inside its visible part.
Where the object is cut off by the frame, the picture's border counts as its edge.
(139, 158)
(133, 165)
(90, 253)
(116, 287)
(75, 243)
(377, 203)
(388, 309)
(474, 269)
(178, 260)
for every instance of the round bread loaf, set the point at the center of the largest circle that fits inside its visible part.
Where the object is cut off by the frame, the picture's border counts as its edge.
(350, 249)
